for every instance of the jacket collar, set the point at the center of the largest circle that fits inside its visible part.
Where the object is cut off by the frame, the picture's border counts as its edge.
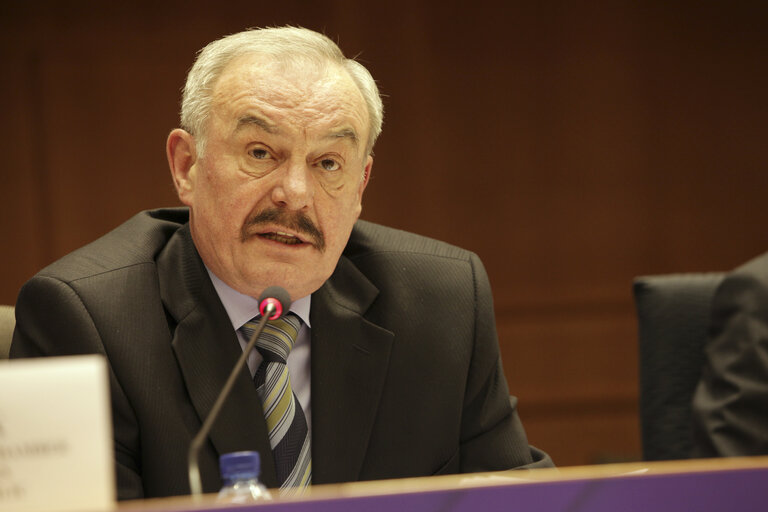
(350, 357)
(206, 348)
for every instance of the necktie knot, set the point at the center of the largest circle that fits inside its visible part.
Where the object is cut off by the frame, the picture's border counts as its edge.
(277, 338)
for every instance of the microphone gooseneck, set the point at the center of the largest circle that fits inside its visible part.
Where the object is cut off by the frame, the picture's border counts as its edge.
(273, 303)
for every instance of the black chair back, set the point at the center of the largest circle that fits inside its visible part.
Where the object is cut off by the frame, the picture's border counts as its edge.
(673, 313)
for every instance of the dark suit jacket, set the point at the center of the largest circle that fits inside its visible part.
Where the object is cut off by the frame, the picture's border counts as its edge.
(406, 374)
(731, 401)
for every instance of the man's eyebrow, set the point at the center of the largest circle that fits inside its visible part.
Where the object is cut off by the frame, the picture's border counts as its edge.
(249, 120)
(344, 133)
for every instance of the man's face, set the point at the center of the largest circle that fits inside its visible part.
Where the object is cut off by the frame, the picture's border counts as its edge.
(275, 195)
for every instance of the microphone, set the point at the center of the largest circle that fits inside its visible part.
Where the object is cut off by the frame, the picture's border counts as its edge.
(273, 302)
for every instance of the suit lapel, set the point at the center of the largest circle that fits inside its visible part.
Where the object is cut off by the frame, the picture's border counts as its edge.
(350, 356)
(206, 349)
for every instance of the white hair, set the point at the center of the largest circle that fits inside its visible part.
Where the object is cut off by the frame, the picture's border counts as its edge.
(289, 44)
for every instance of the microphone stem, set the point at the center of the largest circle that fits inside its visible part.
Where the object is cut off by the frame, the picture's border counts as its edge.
(195, 483)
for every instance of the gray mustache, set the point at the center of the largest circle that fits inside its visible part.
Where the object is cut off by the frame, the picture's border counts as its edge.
(295, 221)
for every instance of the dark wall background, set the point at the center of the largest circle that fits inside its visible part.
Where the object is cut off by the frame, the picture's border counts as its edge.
(572, 145)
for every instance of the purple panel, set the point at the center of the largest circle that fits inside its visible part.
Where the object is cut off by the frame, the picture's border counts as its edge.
(741, 490)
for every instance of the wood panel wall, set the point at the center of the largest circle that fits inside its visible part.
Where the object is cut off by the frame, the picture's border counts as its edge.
(571, 145)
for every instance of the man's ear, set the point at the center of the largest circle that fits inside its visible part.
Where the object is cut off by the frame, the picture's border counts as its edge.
(182, 157)
(365, 177)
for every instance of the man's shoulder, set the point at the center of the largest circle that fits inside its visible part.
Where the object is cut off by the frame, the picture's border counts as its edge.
(750, 274)
(757, 266)
(369, 239)
(137, 241)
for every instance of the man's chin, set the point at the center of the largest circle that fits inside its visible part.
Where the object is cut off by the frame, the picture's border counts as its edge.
(297, 284)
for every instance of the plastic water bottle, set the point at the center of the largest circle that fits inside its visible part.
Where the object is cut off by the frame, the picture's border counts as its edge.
(240, 473)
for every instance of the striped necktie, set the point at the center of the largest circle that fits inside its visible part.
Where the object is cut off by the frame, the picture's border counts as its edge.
(287, 426)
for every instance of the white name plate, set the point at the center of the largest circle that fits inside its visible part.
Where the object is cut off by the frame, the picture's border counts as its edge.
(56, 435)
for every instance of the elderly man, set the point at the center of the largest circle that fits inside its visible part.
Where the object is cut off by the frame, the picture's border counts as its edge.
(394, 369)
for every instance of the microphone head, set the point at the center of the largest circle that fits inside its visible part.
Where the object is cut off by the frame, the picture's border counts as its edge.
(278, 298)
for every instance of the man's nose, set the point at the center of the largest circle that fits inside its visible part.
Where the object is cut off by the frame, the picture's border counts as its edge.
(294, 189)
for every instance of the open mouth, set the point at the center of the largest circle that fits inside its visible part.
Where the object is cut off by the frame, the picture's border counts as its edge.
(281, 237)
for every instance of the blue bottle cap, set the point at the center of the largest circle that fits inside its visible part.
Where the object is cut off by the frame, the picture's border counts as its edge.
(240, 465)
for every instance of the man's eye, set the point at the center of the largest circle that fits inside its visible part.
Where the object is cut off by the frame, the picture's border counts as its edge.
(260, 154)
(329, 165)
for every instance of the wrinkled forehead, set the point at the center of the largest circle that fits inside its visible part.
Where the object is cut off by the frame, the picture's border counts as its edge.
(303, 90)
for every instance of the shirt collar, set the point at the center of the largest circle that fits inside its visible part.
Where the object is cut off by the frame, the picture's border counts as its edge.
(242, 308)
